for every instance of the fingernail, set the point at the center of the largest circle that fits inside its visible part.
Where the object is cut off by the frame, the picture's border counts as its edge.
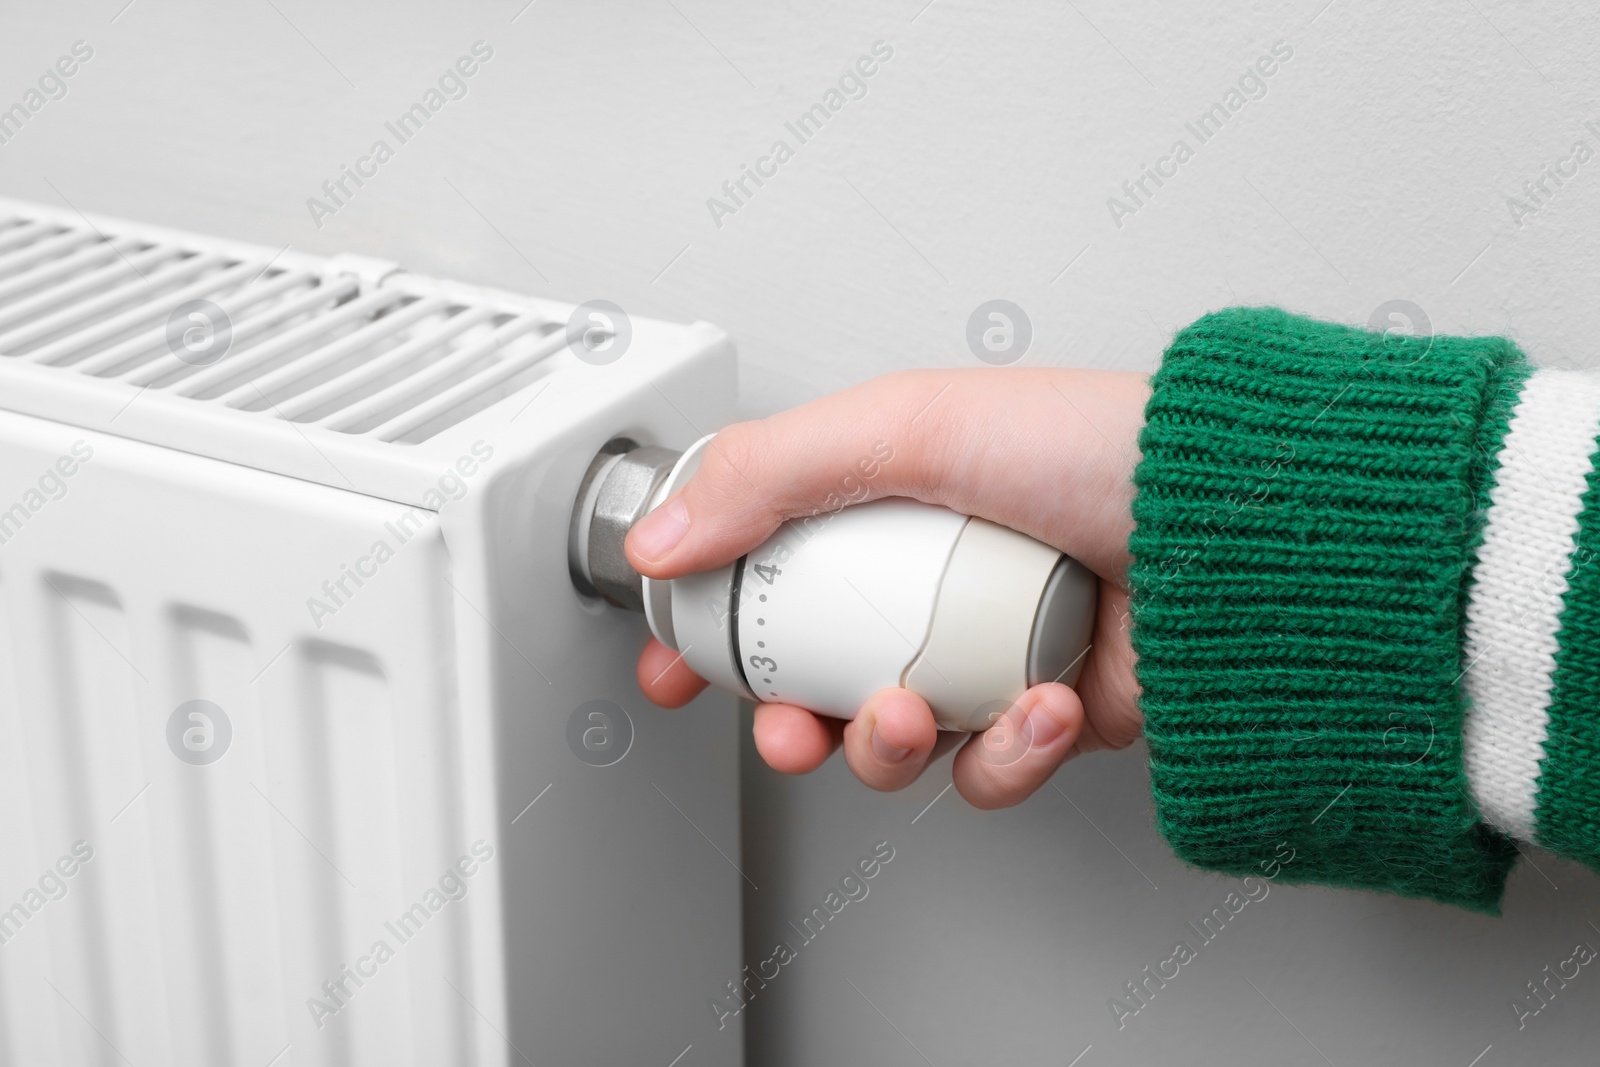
(1041, 727)
(885, 751)
(659, 532)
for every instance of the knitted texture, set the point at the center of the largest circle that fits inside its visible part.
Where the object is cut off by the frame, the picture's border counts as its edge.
(1568, 798)
(1309, 500)
(1519, 586)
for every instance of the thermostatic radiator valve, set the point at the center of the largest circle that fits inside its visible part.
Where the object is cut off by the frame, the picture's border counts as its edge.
(834, 607)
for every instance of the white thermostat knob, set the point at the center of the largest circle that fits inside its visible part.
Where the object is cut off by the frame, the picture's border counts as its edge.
(833, 608)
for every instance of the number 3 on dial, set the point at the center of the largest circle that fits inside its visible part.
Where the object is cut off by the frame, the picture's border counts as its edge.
(763, 663)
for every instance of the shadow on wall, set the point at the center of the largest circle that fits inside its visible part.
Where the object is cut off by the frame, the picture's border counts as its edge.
(1036, 934)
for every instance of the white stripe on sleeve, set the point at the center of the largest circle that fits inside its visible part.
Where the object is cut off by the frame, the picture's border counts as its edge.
(1518, 585)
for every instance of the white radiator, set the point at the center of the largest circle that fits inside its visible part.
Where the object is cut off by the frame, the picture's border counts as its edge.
(292, 668)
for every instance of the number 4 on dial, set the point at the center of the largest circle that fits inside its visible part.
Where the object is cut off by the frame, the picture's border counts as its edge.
(767, 572)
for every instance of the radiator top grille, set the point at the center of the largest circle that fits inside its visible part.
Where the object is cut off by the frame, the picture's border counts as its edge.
(251, 334)
(96, 315)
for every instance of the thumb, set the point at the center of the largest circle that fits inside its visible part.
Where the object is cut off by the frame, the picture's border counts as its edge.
(1005, 444)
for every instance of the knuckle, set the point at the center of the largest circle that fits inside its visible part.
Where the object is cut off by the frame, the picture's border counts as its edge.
(982, 795)
(743, 442)
(869, 773)
(985, 786)
(918, 420)
(1121, 731)
(881, 783)
(732, 464)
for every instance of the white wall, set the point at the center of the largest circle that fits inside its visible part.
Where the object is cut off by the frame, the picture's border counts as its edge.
(978, 165)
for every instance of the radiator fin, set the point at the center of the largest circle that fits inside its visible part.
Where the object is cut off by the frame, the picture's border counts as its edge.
(215, 891)
(101, 957)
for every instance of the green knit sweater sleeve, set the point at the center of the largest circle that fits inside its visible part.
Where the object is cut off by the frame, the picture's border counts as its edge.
(1311, 503)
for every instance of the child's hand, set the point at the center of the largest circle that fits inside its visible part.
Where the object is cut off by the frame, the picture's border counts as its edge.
(1044, 451)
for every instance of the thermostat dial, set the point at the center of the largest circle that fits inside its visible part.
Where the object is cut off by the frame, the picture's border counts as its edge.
(835, 607)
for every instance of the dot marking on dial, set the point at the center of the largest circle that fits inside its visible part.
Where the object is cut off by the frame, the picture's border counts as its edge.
(761, 622)
(763, 598)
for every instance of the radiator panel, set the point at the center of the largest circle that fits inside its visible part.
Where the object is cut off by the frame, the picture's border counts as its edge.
(220, 897)
(394, 716)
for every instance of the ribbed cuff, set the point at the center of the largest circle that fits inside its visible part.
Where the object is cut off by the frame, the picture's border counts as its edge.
(1309, 504)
